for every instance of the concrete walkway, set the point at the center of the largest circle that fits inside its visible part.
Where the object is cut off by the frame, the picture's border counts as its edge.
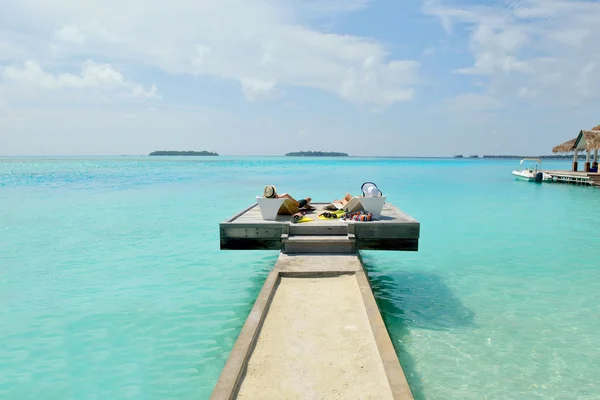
(315, 332)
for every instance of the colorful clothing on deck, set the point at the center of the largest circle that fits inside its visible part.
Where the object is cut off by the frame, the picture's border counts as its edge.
(359, 216)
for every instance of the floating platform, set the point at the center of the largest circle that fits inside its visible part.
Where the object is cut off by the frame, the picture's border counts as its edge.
(247, 230)
(315, 332)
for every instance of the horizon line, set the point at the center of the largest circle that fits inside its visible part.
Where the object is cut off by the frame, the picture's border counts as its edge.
(284, 156)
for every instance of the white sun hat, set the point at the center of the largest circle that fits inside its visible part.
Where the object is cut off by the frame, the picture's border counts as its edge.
(370, 189)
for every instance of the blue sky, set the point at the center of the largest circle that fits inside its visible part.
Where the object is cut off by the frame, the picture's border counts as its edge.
(264, 77)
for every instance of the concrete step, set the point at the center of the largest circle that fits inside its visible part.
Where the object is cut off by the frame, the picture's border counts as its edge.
(314, 228)
(318, 243)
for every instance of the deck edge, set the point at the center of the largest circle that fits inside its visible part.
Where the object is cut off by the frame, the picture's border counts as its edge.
(391, 364)
(233, 372)
(239, 214)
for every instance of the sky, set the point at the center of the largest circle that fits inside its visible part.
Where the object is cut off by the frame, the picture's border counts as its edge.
(266, 77)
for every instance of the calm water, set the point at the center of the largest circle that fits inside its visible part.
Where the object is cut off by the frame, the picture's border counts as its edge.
(112, 284)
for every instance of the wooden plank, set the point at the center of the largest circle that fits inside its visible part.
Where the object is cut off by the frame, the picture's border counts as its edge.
(389, 214)
(244, 212)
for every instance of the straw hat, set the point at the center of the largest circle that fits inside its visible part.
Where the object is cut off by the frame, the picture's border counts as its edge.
(270, 191)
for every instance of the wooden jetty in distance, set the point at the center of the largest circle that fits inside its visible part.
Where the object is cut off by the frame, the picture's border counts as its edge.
(575, 177)
(315, 330)
(587, 141)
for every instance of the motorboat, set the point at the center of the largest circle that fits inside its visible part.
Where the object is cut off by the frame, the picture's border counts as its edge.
(532, 174)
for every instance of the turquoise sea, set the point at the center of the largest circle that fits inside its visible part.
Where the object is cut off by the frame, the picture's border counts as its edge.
(112, 284)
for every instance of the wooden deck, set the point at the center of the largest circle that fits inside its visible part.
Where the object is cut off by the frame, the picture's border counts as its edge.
(575, 177)
(393, 230)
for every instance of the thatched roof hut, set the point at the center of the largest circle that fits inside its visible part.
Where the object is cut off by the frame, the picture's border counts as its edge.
(566, 147)
(588, 140)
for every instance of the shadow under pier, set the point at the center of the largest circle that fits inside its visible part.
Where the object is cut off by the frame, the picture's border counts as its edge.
(416, 300)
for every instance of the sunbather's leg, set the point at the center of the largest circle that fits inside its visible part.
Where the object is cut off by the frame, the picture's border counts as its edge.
(287, 196)
(304, 202)
(346, 199)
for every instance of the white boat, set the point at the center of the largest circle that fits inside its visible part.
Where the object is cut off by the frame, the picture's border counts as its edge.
(532, 174)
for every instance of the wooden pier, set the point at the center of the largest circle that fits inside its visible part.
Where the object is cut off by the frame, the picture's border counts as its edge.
(315, 331)
(575, 177)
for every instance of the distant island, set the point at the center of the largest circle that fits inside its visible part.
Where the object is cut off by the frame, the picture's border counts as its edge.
(182, 153)
(316, 154)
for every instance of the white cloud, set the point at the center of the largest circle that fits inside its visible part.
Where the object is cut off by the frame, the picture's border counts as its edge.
(93, 76)
(570, 37)
(70, 34)
(255, 89)
(376, 84)
(536, 50)
(262, 40)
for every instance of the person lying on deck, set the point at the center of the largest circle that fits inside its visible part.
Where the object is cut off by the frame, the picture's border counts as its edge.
(345, 200)
(369, 189)
(270, 192)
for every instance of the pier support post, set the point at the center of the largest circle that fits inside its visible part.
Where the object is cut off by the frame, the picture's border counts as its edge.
(587, 161)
